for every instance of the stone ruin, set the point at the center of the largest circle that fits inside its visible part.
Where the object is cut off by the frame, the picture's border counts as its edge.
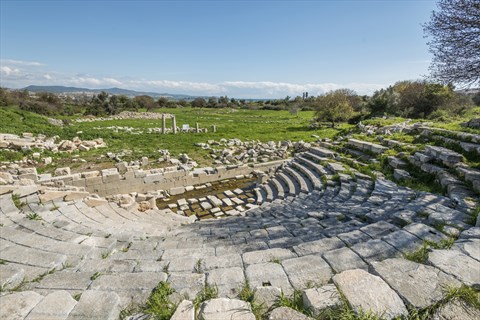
(148, 116)
(315, 226)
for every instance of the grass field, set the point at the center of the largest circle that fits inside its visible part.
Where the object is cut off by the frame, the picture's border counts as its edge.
(263, 125)
(260, 125)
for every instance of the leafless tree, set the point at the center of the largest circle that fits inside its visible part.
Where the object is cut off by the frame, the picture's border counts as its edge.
(454, 30)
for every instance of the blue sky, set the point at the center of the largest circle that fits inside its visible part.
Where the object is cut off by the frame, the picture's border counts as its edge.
(244, 49)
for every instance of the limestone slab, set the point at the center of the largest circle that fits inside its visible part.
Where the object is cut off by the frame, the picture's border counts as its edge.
(223, 261)
(303, 272)
(420, 285)
(268, 274)
(379, 229)
(185, 311)
(107, 265)
(369, 293)
(353, 237)
(33, 257)
(318, 246)
(283, 313)
(128, 281)
(344, 259)
(228, 281)
(266, 296)
(375, 250)
(425, 232)
(187, 284)
(453, 262)
(66, 281)
(456, 310)
(17, 305)
(318, 299)
(260, 256)
(403, 241)
(470, 247)
(55, 306)
(223, 308)
(10, 276)
(97, 305)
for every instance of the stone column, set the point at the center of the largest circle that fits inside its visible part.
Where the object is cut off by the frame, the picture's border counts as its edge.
(174, 124)
(163, 123)
(214, 128)
(197, 127)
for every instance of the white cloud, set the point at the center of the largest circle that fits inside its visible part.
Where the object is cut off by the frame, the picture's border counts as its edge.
(293, 89)
(7, 71)
(18, 74)
(21, 63)
(206, 88)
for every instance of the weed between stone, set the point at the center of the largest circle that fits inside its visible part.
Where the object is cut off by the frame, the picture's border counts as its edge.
(208, 292)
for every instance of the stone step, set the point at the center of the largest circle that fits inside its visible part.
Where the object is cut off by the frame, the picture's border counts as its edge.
(35, 241)
(316, 167)
(94, 304)
(319, 161)
(269, 194)
(32, 257)
(280, 191)
(305, 184)
(314, 180)
(260, 195)
(10, 276)
(17, 305)
(323, 152)
(369, 293)
(293, 188)
(55, 306)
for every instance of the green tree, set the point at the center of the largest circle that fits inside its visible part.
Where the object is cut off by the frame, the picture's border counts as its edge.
(199, 103)
(162, 102)
(223, 102)
(182, 102)
(334, 106)
(212, 102)
(5, 99)
(146, 102)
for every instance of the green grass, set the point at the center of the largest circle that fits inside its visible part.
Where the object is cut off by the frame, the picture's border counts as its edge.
(474, 216)
(198, 268)
(125, 249)
(43, 275)
(247, 294)
(158, 304)
(263, 125)
(95, 275)
(34, 216)
(275, 260)
(208, 292)
(294, 301)
(17, 202)
(421, 254)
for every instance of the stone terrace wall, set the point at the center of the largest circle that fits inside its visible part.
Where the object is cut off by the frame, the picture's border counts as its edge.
(110, 181)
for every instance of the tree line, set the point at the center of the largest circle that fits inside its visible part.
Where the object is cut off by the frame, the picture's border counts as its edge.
(412, 99)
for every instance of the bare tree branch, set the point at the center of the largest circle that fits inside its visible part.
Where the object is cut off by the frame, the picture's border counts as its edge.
(455, 42)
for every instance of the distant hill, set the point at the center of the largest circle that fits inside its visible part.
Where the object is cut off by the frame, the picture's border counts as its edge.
(116, 91)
